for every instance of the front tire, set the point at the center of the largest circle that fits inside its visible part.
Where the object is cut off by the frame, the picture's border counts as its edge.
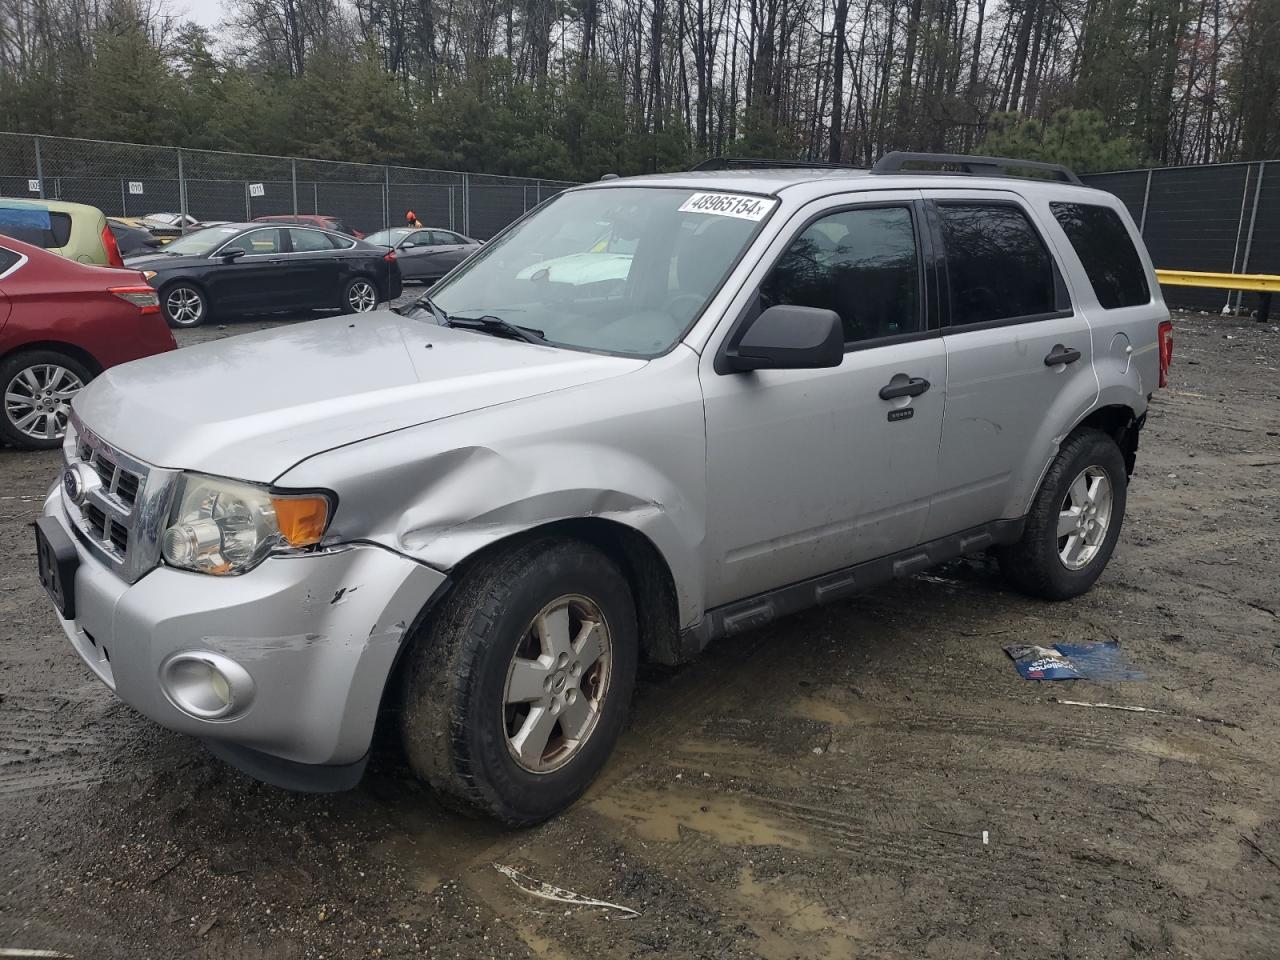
(517, 689)
(185, 305)
(360, 295)
(37, 387)
(1074, 521)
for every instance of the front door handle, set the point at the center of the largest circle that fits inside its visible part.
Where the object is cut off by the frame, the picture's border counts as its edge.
(1060, 354)
(903, 387)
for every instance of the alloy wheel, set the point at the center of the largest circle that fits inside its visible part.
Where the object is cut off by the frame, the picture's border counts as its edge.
(1084, 517)
(556, 684)
(37, 401)
(362, 297)
(184, 306)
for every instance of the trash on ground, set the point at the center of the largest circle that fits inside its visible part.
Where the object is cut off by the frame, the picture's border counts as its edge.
(1041, 663)
(1072, 661)
(545, 891)
(1111, 706)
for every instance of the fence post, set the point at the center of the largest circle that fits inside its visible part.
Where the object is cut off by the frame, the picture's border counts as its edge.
(124, 202)
(466, 204)
(1253, 217)
(248, 204)
(538, 192)
(1146, 195)
(293, 176)
(386, 197)
(39, 167)
(182, 193)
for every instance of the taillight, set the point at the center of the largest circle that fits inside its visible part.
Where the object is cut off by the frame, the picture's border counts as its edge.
(113, 249)
(1166, 350)
(144, 298)
(389, 256)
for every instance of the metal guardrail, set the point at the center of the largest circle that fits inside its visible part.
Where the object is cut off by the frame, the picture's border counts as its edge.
(1264, 284)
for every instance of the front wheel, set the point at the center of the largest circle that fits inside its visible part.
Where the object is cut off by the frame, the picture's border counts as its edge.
(516, 693)
(184, 305)
(359, 296)
(1074, 521)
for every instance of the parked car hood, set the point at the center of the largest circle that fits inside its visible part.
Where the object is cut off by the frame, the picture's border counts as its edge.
(253, 406)
(159, 260)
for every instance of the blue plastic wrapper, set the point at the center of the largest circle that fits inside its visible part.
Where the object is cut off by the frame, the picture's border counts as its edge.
(1041, 663)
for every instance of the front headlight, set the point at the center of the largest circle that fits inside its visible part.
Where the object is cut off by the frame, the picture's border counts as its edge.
(227, 527)
(149, 274)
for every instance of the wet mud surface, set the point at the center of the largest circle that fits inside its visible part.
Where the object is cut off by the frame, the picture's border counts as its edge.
(816, 789)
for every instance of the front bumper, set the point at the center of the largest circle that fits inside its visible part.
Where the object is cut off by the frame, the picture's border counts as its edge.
(317, 633)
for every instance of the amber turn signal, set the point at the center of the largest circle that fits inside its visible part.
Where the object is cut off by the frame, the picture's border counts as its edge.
(301, 519)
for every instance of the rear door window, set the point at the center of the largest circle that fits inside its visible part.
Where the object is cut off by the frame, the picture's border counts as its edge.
(998, 268)
(309, 241)
(1110, 260)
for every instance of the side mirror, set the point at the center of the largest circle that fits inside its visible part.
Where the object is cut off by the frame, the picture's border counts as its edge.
(407, 245)
(231, 254)
(788, 338)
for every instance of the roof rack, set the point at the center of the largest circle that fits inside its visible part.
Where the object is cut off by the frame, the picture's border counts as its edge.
(737, 163)
(896, 161)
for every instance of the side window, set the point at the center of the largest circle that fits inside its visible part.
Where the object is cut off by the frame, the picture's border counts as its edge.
(997, 265)
(259, 241)
(421, 239)
(309, 241)
(861, 263)
(7, 260)
(59, 229)
(441, 238)
(1102, 243)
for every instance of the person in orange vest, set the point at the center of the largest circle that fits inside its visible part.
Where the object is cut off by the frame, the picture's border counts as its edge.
(411, 220)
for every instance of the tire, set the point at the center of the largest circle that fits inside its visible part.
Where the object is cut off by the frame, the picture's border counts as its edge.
(360, 295)
(461, 733)
(1044, 564)
(25, 381)
(184, 304)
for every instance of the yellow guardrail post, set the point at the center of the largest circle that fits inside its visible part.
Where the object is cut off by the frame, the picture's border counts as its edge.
(1264, 284)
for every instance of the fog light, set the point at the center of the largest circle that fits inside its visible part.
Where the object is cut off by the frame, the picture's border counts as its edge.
(206, 685)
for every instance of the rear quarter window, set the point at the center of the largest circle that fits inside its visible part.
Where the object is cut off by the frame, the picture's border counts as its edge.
(1110, 260)
(39, 228)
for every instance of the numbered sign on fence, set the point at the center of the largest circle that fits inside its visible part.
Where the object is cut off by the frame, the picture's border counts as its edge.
(135, 186)
(33, 186)
(257, 190)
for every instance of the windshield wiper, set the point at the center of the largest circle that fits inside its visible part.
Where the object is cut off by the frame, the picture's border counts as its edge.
(492, 324)
(441, 317)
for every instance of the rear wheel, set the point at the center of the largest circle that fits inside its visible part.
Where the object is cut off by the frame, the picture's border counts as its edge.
(1074, 521)
(184, 305)
(38, 388)
(517, 692)
(360, 295)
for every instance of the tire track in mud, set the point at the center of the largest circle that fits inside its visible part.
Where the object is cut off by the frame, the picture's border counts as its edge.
(56, 744)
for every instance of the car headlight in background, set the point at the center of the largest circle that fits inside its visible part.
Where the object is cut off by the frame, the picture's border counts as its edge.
(149, 274)
(227, 527)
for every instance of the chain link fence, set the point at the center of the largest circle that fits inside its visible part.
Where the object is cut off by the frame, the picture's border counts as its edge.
(1220, 218)
(135, 180)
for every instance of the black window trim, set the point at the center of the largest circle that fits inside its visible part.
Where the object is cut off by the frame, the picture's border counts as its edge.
(1128, 236)
(14, 267)
(1061, 292)
(926, 268)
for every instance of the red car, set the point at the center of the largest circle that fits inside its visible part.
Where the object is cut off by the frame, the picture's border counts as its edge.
(61, 324)
(313, 220)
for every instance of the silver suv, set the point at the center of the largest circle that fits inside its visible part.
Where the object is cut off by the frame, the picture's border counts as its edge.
(653, 412)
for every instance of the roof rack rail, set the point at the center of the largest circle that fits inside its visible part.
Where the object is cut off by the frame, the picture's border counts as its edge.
(896, 161)
(736, 163)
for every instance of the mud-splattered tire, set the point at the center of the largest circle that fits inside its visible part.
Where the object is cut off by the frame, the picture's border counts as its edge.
(516, 690)
(1074, 521)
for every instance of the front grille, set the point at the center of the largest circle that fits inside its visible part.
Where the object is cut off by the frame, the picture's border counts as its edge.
(120, 516)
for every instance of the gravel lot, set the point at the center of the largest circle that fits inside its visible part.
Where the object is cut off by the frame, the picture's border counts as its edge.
(819, 789)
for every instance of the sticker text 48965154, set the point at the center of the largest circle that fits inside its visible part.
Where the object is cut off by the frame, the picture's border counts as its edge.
(729, 205)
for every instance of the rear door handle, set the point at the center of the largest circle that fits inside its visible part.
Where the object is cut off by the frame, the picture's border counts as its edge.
(1060, 354)
(903, 388)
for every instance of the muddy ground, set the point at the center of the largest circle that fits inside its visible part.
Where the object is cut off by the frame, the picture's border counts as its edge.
(817, 789)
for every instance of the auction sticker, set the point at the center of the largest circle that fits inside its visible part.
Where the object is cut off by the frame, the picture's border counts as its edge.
(729, 205)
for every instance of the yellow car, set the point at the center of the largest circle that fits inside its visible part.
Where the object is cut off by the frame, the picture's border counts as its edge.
(76, 231)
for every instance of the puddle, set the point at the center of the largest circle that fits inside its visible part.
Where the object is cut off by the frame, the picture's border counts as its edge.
(659, 815)
(780, 917)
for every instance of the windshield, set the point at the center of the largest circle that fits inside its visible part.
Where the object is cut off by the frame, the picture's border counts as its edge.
(202, 242)
(388, 238)
(616, 269)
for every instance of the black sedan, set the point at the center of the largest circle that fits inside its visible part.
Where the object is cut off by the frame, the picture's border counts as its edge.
(243, 268)
(425, 253)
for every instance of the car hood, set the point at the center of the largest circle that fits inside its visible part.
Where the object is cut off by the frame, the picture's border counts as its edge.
(253, 406)
(159, 260)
